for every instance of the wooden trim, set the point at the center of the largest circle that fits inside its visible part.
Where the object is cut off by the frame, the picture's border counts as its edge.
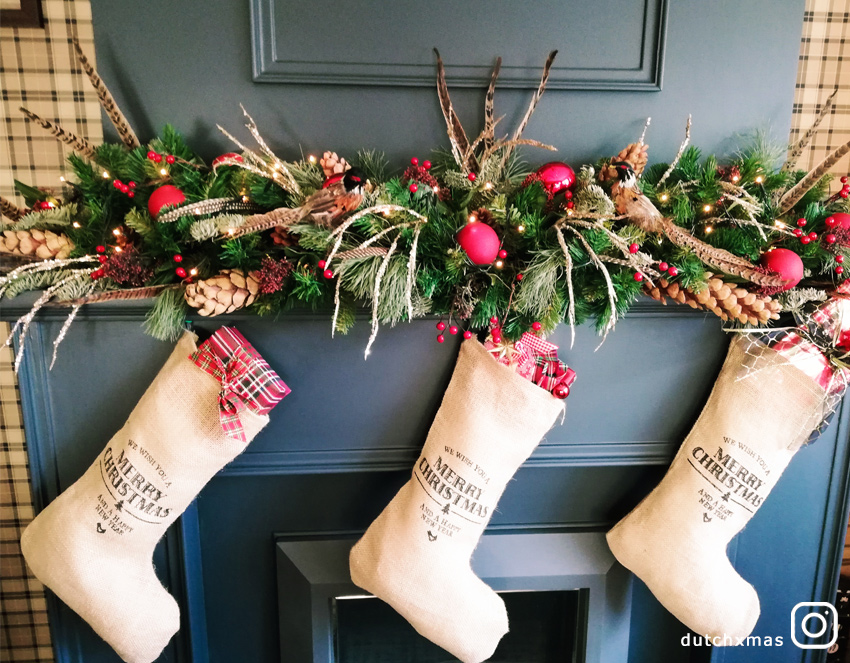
(28, 16)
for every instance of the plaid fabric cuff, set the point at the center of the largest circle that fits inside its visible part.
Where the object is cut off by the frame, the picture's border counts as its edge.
(247, 381)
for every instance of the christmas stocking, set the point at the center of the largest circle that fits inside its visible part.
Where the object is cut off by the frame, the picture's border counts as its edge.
(93, 545)
(764, 405)
(416, 555)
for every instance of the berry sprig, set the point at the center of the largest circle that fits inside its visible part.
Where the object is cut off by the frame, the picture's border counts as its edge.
(126, 189)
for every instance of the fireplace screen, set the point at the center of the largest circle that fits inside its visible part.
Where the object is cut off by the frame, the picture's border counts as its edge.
(545, 628)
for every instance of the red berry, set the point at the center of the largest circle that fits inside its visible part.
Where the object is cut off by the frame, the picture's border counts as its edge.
(125, 188)
(427, 166)
(663, 266)
(151, 155)
(170, 159)
(805, 239)
(102, 259)
(638, 276)
(453, 330)
(180, 272)
(414, 161)
(798, 232)
(441, 338)
(813, 235)
(633, 248)
(839, 269)
(131, 194)
(801, 223)
(497, 338)
(100, 248)
(467, 334)
(94, 275)
(831, 222)
(131, 184)
(414, 187)
(844, 194)
(441, 325)
(329, 274)
(503, 254)
(116, 184)
(494, 320)
(519, 277)
(322, 264)
(178, 257)
(471, 177)
(536, 326)
(839, 259)
(157, 158)
(843, 179)
(672, 271)
(570, 204)
(568, 194)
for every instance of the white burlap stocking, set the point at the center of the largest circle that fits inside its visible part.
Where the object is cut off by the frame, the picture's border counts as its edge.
(760, 412)
(93, 545)
(416, 555)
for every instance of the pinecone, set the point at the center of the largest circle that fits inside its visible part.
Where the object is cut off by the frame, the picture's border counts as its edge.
(225, 293)
(635, 154)
(43, 244)
(282, 237)
(332, 164)
(725, 300)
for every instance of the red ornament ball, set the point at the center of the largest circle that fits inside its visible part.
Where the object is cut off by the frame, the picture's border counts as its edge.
(561, 391)
(333, 179)
(801, 223)
(471, 177)
(441, 338)
(633, 248)
(167, 194)
(672, 271)
(170, 159)
(467, 334)
(556, 176)
(414, 161)
(536, 326)
(638, 276)
(100, 248)
(786, 263)
(441, 325)
(414, 187)
(151, 155)
(329, 274)
(839, 219)
(180, 272)
(480, 242)
(453, 330)
(426, 165)
(663, 266)
(229, 156)
(503, 254)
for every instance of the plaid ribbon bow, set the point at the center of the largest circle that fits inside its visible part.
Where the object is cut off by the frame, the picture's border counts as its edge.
(247, 381)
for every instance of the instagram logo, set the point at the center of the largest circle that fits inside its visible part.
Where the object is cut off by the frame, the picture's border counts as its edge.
(813, 621)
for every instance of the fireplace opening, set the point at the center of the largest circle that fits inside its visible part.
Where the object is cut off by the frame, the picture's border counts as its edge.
(546, 627)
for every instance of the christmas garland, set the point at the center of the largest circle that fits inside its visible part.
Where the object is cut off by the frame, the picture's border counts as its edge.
(473, 235)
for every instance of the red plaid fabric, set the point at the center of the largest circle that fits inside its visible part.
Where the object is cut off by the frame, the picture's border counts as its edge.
(247, 381)
(549, 371)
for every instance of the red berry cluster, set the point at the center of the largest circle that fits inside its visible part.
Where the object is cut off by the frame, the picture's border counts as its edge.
(125, 188)
(845, 189)
(272, 274)
(417, 172)
(126, 267)
(157, 158)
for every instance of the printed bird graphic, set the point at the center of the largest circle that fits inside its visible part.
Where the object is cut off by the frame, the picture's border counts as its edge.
(632, 203)
(431, 537)
(326, 206)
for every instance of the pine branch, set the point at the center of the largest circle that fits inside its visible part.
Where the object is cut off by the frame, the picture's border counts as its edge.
(167, 319)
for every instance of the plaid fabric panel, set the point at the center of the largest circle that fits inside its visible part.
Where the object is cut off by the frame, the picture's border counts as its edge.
(824, 66)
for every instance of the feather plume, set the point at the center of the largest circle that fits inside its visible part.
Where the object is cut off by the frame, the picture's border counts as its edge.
(355, 254)
(795, 152)
(10, 210)
(81, 145)
(283, 216)
(128, 137)
(212, 206)
(114, 295)
(793, 195)
(489, 117)
(457, 136)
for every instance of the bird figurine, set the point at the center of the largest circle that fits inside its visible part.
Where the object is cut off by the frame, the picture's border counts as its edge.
(633, 204)
(326, 206)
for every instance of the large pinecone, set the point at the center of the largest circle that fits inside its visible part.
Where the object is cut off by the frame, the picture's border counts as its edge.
(725, 300)
(43, 244)
(225, 293)
(635, 154)
(333, 164)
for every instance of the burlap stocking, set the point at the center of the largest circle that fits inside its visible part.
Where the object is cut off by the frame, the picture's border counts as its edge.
(416, 555)
(760, 412)
(94, 544)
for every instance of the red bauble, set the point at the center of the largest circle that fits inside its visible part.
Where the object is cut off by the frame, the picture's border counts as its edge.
(840, 220)
(556, 176)
(167, 194)
(480, 242)
(230, 156)
(333, 179)
(786, 263)
(561, 391)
